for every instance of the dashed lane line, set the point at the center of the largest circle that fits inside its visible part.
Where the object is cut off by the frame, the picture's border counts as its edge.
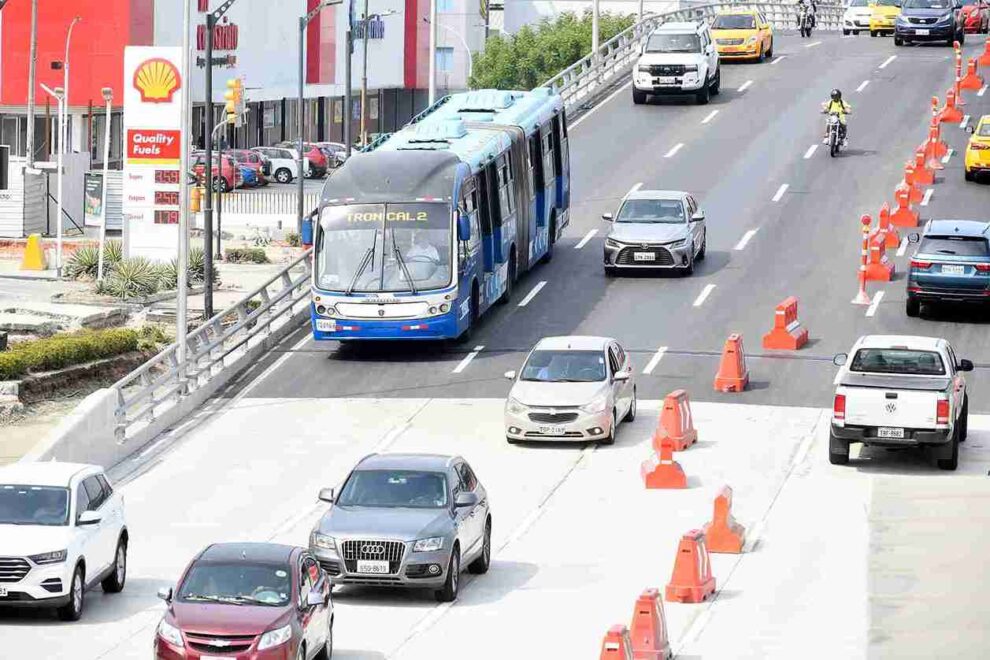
(813, 44)
(655, 360)
(745, 86)
(965, 122)
(700, 300)
(741, 245)
(709, 117)
(532, 294)
(587, 237)
(462, 365)
(902, 248)
(673, 151)
(862, 85)
(778, 59)
(811, 151)
(780, 192)
(945, 159)
(887, 61)
(982, 91)
(928, 196)
(872, 309)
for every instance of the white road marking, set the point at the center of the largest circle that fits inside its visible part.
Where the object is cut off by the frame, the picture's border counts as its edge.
(802, 451)
(778, 58)
(655, 360)
(888, 61)
(902, 248)
(780, 192)
(872, 309)
(700, 300)
(928, 196)
(982, 91)
(965, 122)
(532, 294)
(709, 117)
(636, 187)
(595, 109)
(811, 151)
(813, 44)
(862, 85)
(462, 365)
(677, 147)
(948, 155)
(745, 86)
(741, 245)
(587, 237)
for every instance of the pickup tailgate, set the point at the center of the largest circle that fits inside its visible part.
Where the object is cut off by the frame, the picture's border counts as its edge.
(896, 401)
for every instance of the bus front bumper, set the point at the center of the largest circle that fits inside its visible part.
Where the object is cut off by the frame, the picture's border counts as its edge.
(443, 326)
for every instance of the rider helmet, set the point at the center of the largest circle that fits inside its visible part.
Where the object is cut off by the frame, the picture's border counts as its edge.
(836, 95)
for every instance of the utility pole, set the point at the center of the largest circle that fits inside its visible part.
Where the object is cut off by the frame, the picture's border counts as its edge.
(364, 74)
(595, 13)
(32, 64)
(182, 302)
(108, 97)
(433, 52)
(347, 76)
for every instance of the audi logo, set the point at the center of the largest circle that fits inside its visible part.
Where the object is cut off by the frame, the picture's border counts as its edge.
(373, 549)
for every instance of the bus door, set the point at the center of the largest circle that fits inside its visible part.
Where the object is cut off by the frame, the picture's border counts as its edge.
(470, 255)
(561, 164)
(529, 240)
(537, 181)
(549, 173)
(485, 216)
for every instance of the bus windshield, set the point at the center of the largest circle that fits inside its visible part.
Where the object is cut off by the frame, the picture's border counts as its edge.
(384, 247)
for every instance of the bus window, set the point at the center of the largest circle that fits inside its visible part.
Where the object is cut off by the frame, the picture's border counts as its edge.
(548, 155)
(484, 201)
(535, 164)
(555, 134)
(507, 179)
(503, 186)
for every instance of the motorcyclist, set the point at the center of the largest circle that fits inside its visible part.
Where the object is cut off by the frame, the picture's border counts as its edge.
(839, 107)
(812, 7)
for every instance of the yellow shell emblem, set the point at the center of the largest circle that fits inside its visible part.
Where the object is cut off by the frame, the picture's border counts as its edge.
(157, 80)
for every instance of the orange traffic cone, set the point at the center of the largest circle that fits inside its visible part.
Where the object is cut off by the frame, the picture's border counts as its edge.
(648, 631)
(972, 80)
(908, 183)
(616, 645)
(675, 422)
(951, 114)
(732, 374)
(940, 148)
(692, 580)
(984, 59)
(663, 471)
(723, 534)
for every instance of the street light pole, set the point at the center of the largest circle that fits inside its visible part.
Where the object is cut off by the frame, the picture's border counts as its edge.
(347, 79)
(32, 65)
(433, 52)
(470, 55)
(364, 68)
(59, 95)
(108, 97)
(182, 301)
(594, 30)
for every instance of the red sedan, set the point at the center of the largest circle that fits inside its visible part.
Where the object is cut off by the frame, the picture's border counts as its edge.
(976, 16)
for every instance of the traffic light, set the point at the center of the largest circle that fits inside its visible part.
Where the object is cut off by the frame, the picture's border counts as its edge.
(234, 98)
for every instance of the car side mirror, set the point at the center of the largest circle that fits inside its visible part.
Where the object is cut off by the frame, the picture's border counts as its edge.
(621, 376)
(465, 499)
(965, 365)
(698, 216)
(607, 217)
(510, 375)
(165, 593)
(840, 359)
(315, 598)
(970, 129)
(89, 518)
(913, 237)
(463, 227)
(326, 495)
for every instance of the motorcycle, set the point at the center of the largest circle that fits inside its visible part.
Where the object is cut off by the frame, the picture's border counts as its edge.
(806, 20)
(835, 139)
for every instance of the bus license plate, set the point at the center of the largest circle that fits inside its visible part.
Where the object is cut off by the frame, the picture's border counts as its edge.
(326, 325)
(552, 430)
(923, 33)
(644, 256)
(373, 567)
(887, 432)
(953, 270)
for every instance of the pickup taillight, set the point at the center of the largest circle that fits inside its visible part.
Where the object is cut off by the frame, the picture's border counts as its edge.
(942, 411)
(839, 407)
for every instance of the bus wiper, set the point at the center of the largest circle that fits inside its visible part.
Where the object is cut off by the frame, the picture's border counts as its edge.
(402, 265)
(369, 257)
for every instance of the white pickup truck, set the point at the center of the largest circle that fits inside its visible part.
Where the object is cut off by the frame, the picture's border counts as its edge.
(900, 391)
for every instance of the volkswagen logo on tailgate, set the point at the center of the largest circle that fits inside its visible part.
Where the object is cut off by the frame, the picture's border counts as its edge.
(891, 407)
(373, 549)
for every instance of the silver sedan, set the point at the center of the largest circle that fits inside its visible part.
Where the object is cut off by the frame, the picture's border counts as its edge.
(656, 229)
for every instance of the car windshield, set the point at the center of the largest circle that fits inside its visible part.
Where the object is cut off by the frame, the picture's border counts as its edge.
(546, 366)
(411, 489)
(662, 211)
(984, 129)
(237, 583)
(734, 22)
(33, 505)
(969, 3)
(898, 361)
(888, 3)
(958, 246)
(673, 43)
(384, 247)
(927, 4)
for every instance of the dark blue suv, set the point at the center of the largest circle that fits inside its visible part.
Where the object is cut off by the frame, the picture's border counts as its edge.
(929, 21)
(952, 264)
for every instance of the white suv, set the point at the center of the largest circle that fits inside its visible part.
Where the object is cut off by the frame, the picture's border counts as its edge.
(677, 58)
(62, 531)
(285, 163)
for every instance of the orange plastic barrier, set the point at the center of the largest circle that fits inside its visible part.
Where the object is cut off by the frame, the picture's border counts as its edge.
(903, 215)
(950, 114)
(723, 534)
(923, 175)
(663, 471)
(675, 422)
(915, 195)
(984, 59)
(732, 374)
(940, 148)
(787, 333)
(692, 580)
(648, 631)
(616, 645)
(893, 237)
(972, 80)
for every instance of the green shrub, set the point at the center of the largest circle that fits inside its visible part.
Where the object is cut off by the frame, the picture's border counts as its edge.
(113, 253)
(132, 278)
(248, 255)
(293, 239)
(84, 262)
(168, 275)
(12, 365)
(151, 337)
(66, 350)
(197, 265)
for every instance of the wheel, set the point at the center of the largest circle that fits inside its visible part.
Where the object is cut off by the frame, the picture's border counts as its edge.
(963, 420)
(898, 41)
(950, 42)
(639, 97)
(717, 87)
(631, 415)
(327, 651)
(283, 175)
(762, 57)
(770, 49)
(609, 271)
(952, 462)
(510, 281)
(704, 95)
(472, 316)
(962, 38)
(855, 33)
(838, 457)
(551, 240)
(845, 33)
(480, 565)
(689, 269)
(970, 176)
(704, 247)
(448, 593)
(912, 307)
(610, 440)
(114, 583)
(72, 610)
(220, 184)
(873, 33)
(833, 143)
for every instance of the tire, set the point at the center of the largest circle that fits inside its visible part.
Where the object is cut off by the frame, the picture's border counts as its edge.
(873, 33)
(639, 98)
(631, 415)
(114, 583)
(969, 176)
(704, 95)
(551, 240)
(610, 440)
(220, 184)
(855, 33)
(951, 42)
(472, 315)
(845, 33)
(717, 87)
(72, 611)
(963, 420)
(688, 270)
(833, 144)
(704, 247)
(282, 175)
(510, 281)
(770, 49)
(448, 593)
(609, 271)
(952, 462)
(837, 458)
(480, 565)
(898, 41)
(912, 307)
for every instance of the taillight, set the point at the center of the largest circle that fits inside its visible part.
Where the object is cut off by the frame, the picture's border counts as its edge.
(921, 265)
(839, 407)
(979, 146)
(942, 411)
(982, 268)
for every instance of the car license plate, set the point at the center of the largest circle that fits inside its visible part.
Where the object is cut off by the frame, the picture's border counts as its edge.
(374, 567)
(3, 591)
(644, 256)
(666, 80)
(887, 432)
(953, 270)
(326, 325)
(552, 430)
(922, 32)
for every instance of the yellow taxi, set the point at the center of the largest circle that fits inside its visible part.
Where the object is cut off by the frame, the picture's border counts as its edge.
(883, 16)
(742, 34)
(978, 149)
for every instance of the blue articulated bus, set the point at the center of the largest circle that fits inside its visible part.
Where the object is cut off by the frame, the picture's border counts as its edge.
(418, 237)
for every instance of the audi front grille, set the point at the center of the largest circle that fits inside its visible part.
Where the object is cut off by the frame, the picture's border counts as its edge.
(371, 550)
(627, 257)
(13, 569)
(552, 418)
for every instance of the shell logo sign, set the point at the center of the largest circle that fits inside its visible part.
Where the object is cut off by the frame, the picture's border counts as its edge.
(157, 80)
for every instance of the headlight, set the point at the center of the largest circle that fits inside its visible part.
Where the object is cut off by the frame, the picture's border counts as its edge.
(515, 407)
(323, 542)
(678, 244)
(428, 545)
(751, 40)
(444, 308)
(946, 18)
(643, 68)
(596, 406)
(612, 243)
(275, 637)
(53, 557)
(169, 633)
(691, 67)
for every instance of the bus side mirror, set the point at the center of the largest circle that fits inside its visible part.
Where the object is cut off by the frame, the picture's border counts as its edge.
(913, 237)
(463, 227)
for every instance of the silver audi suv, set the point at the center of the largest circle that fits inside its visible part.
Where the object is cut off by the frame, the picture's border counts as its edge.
(405, 520)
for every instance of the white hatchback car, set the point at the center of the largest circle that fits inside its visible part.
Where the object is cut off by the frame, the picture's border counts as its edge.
(62, 531)
(571, 388)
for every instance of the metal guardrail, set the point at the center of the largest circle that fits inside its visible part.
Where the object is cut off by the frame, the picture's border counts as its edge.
(588, 76)
(161, 383)
(280, 202)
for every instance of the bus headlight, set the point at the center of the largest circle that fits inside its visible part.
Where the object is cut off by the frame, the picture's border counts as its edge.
(444, 308)
(433, 310)
(320, 309)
